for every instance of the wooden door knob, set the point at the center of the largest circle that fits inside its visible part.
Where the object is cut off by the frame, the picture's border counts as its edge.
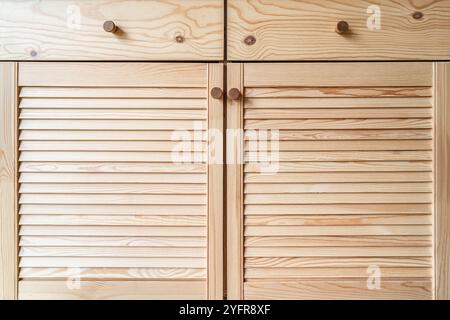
(216, 93)
(234, 94)
(110, 26)
(342, 27)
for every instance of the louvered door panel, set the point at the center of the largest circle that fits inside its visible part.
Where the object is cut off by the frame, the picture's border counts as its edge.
(346, 212)
(104, 202)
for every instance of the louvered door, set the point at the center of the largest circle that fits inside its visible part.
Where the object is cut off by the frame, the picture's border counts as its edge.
(112, 205)
(345, 211)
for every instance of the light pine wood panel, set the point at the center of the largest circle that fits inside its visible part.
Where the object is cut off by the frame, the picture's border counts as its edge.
(8, 188)
(112, 273)
(352, 181)
(358, 74)
(235, 175)
(215, 184)
(335, 96)
(442, 182)
(114, 241)
(109, 94)
(341, 289)
(65, 209)
(305, 30)
(112, 290)
(112, 262)
(101, 74)
(147, 30)
(100, 186)
(339, 241)
(338, 262)
(345, 273)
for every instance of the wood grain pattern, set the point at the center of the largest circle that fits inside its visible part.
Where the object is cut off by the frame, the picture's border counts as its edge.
(101, 189)
(215, 185)
(442, 182)
(8, 169)
(305, 30)
(342, 289)
(112, 290)
(352, 186)
(235, 198)
(147, 30)
(102, 74)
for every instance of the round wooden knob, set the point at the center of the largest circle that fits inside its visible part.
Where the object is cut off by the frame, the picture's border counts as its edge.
(342, 27)
(110, 26)
(216, 93)
(234, 94)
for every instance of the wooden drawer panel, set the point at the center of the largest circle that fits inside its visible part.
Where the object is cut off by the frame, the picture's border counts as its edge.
(147, 30)
(305, 30)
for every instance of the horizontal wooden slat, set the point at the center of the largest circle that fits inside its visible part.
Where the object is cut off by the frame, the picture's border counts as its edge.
(111, 177)
(341, 273)
(113, 220)
(338, 262)
(73, 188)
(292, 156)
(354, 95)
(110, 105)
(110, 199)
(331, 145)
(112, 124)
(335, 198)
(108, 262)
(346, 177)
(110, 93)
(338, 289)
(116, 167)
(114, 252)
(47, 74)
(388, 113)
(362, 166)
(354, 135)
(111, 231)
(408, 230)
(90, 241)
(93, 135)
(106, 114)
(112, 156)
(351, 145)
(339, 241)
(336, 220)
(130, 146)
(253, 188)
(314, 124)
(350, 208)
(356, 74)
(110, 209)
(112, 290)
(112, 273)
(338, 252)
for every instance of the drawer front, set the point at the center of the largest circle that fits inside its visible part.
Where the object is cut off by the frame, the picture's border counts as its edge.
(306, 30)
(145, 30)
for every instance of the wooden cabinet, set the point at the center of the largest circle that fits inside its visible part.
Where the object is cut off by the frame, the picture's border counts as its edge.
(346, 208)
(112, 130)
(110, 202)
(136, 30)
(369, 30)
